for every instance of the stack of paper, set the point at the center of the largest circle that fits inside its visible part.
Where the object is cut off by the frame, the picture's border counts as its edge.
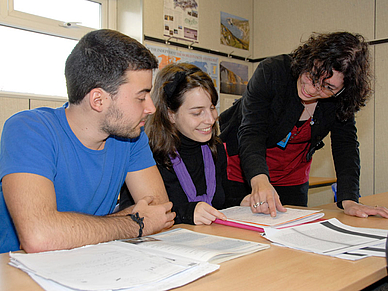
(159, 262)
(203, 247)
(243, 217)
(332, 238)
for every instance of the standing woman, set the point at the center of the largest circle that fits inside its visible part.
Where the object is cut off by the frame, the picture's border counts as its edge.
(183, 138)
(291, 103)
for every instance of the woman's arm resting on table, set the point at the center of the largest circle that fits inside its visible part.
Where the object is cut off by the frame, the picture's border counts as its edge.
(360, 210)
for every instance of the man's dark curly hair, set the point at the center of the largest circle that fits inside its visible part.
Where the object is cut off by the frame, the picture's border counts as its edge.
(344, 52)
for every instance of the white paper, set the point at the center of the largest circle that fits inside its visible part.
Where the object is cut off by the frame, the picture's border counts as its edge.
(290, 217)
(202, 247)
(159, 262)
(175, 281)
(330, 237)
(376, 250)
(107, 266)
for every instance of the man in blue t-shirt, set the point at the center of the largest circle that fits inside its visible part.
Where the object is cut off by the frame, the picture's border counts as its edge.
(61, 169)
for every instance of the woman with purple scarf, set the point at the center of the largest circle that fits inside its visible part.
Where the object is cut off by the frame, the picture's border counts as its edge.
(183, 138)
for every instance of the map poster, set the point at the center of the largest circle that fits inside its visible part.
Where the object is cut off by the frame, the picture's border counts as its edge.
(208, 64)
(181, 19)
(234, 31)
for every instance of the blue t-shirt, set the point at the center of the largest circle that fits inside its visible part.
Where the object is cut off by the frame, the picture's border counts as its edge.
(40, 141)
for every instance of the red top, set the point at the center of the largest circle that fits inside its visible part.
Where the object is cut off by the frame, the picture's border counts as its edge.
(233, 168)
(288, 166)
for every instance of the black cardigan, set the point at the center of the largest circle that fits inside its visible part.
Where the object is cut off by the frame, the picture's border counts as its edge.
(267, 112)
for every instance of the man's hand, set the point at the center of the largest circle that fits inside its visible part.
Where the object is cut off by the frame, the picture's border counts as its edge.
(356, 209)
(156, 217)
(41, 227)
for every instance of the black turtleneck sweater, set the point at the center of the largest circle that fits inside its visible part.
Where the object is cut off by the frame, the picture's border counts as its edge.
(191, 154)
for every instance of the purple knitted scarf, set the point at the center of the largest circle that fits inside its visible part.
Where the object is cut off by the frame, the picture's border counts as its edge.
(186, 181)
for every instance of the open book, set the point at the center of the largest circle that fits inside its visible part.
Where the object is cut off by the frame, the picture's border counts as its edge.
(203, 247)
(159, 262)
(240, 216)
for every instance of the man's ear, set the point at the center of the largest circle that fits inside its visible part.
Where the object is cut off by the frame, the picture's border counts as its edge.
(97, 99)
(171, 116)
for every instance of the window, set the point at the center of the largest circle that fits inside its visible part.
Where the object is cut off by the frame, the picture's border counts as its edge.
(38, 35)
(87, 13)
(33, 62)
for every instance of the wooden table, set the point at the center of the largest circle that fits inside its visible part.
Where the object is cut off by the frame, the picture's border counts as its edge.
(380, 199)
(377, 199)
(276, 268)
(315, 182)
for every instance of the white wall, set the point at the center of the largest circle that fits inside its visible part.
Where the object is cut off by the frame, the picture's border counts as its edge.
(209, 31)
(278, 26)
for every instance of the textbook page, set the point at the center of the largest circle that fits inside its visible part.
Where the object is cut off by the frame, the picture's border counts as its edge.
(332, 238)
(244, 215)
(203, 247)
(174, 281)
(110, 266)
(376, 250)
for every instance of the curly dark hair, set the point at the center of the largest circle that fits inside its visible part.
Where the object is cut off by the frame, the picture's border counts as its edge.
(163, 136)
(344, 52)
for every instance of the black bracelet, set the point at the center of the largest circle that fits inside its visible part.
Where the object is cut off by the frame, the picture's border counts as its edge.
(139, 220)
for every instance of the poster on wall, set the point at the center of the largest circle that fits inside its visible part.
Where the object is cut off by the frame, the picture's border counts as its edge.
(234, 31)
(233, 78)
(208, 64)
(181, 19)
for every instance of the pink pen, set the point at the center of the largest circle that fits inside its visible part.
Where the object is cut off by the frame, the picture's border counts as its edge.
(239, 225)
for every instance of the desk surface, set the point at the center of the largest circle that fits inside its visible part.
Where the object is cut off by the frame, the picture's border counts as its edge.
(277, 268)
(315, 182)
